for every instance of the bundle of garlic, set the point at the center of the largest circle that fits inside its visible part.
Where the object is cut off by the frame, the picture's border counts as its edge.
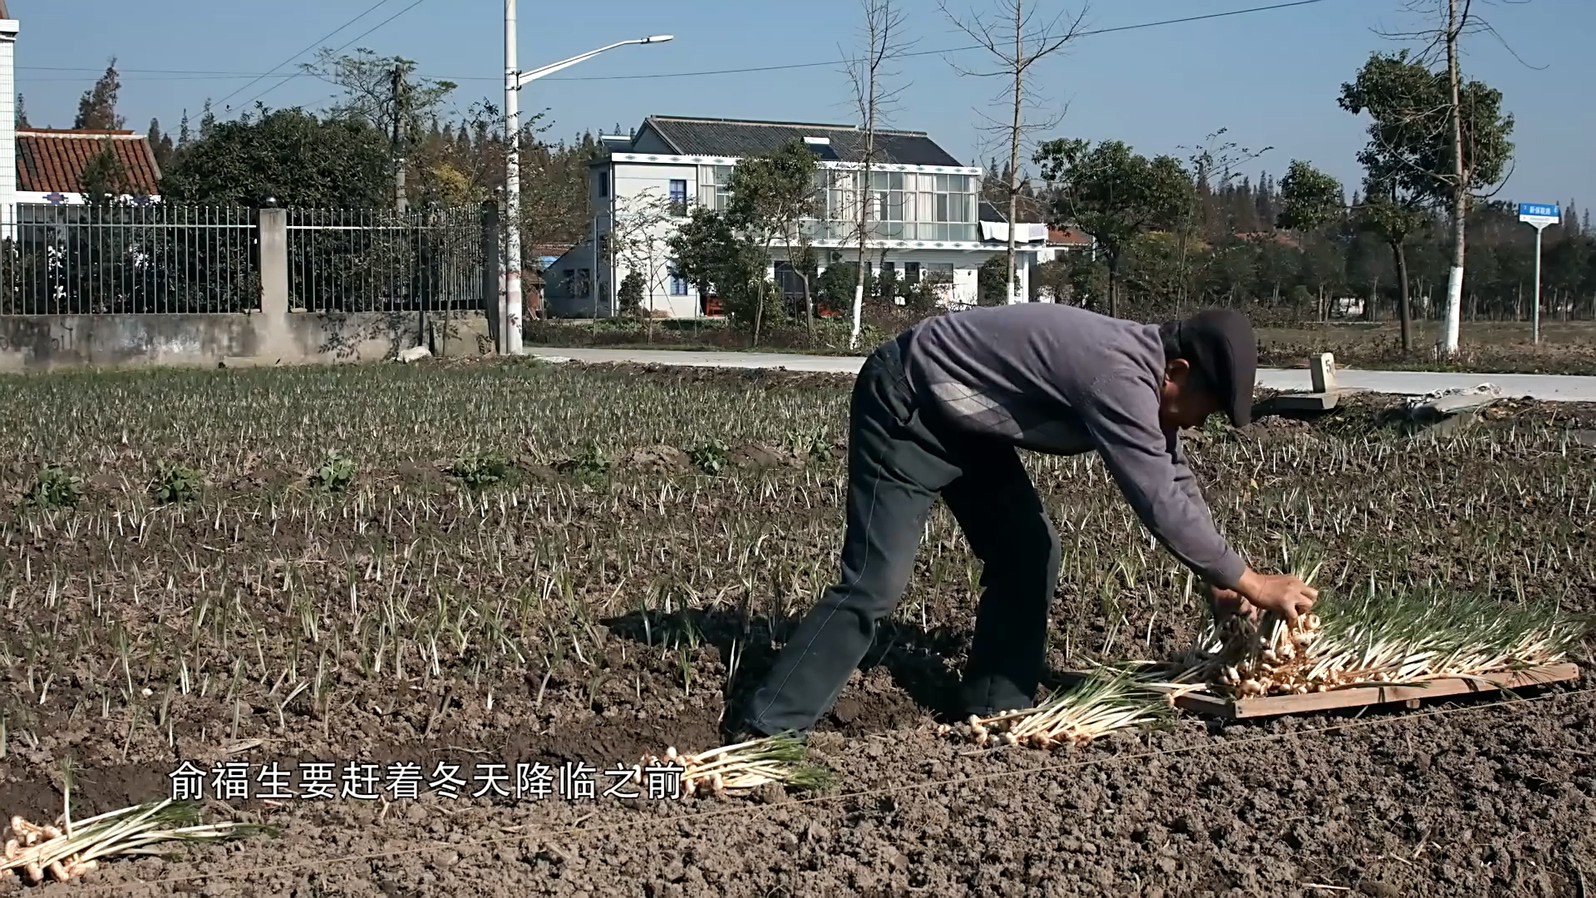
(1246, 659)
(1378, 638)
(69, 850)
(1105, 701)
(740, 768)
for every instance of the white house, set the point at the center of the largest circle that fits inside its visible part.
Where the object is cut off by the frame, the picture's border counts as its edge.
(923, 213)
(9, 28)
(1035, 243)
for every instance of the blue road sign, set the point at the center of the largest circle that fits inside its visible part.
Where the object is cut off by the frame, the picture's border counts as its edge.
(1538, 210)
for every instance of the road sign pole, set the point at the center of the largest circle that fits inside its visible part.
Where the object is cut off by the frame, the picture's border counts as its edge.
(1539, 216)
(1535, 313)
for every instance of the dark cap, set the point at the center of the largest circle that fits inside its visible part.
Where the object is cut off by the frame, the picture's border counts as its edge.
(1220, 347)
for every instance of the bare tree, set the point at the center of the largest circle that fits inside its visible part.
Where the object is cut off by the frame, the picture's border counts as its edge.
(883, 25)
(1454, 19)
(1017, 44)
(638, 241)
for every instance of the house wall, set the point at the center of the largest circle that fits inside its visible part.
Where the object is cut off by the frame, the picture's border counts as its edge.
(649, 142)
(636, 219)
(9, 28)
(37, 198)
(966, 266)
(567, 289)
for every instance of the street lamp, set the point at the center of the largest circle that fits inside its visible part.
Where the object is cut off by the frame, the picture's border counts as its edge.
(514, 80)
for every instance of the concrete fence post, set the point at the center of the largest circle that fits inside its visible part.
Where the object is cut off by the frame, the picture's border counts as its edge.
(274, 299)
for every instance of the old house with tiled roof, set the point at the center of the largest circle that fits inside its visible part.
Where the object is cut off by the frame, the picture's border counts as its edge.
(924, 220)
(52, 165)
(44, 166)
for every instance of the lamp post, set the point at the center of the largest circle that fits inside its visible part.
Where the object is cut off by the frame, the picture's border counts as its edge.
(514, 80)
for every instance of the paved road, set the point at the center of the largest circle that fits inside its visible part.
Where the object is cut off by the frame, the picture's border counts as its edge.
(1551, 387)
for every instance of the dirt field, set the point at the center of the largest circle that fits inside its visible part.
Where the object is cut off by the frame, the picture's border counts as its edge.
(635, 557)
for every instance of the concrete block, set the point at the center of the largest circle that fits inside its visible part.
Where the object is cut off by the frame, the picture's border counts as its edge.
(1304, 402)
(1322, 369)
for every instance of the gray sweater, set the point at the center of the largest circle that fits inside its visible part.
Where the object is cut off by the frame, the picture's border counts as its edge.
(1063, 380)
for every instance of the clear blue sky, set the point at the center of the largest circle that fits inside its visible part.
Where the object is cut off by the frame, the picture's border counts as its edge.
(1271, 77)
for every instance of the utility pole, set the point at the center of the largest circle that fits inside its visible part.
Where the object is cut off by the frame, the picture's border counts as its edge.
(514, 80)
(512, 187)
(397, 138)
(1460, 188)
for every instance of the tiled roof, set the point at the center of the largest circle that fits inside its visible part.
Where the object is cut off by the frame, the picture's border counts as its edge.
(54, 161)
(1068, 237)
(1029, 209)
(735, 138)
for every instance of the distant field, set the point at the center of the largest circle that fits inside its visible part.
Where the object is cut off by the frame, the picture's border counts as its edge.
(1566, 347)
(1488, 346)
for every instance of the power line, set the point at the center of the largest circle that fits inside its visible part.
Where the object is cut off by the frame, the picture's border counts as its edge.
(195, 75)
(223, 101)
(815, 65)
(351, 43)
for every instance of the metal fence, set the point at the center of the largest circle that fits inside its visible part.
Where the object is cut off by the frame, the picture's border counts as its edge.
(109, 259)
(348, 260)
(159, 258)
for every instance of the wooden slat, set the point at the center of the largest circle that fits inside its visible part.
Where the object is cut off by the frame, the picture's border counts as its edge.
(1361, 696)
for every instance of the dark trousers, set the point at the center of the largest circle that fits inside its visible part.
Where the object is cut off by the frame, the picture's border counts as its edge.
(899, 462)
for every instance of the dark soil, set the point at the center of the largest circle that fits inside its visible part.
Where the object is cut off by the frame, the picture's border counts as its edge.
(628, 601)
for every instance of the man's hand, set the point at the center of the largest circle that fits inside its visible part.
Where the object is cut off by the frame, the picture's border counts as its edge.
(1283, 594)
(1229, 603)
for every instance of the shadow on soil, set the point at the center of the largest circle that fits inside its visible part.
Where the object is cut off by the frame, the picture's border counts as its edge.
(914, 659)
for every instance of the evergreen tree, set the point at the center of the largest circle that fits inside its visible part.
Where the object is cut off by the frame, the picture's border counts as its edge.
(97, 107)
(207, 120)
(160, 144)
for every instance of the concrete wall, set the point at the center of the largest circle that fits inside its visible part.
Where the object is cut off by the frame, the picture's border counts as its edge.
(966, 266)
(273, 336)
(44, 342)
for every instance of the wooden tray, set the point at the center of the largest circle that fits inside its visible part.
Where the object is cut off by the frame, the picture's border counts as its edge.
(1363, 696)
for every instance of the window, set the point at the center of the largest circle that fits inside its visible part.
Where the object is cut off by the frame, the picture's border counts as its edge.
(911, 272)
(678, 286)
(678, 197)
(917, 206)
(723, 175)
(603, 183)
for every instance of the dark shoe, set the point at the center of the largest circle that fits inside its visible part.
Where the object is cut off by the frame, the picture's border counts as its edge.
(745, 732)
(985, 696)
